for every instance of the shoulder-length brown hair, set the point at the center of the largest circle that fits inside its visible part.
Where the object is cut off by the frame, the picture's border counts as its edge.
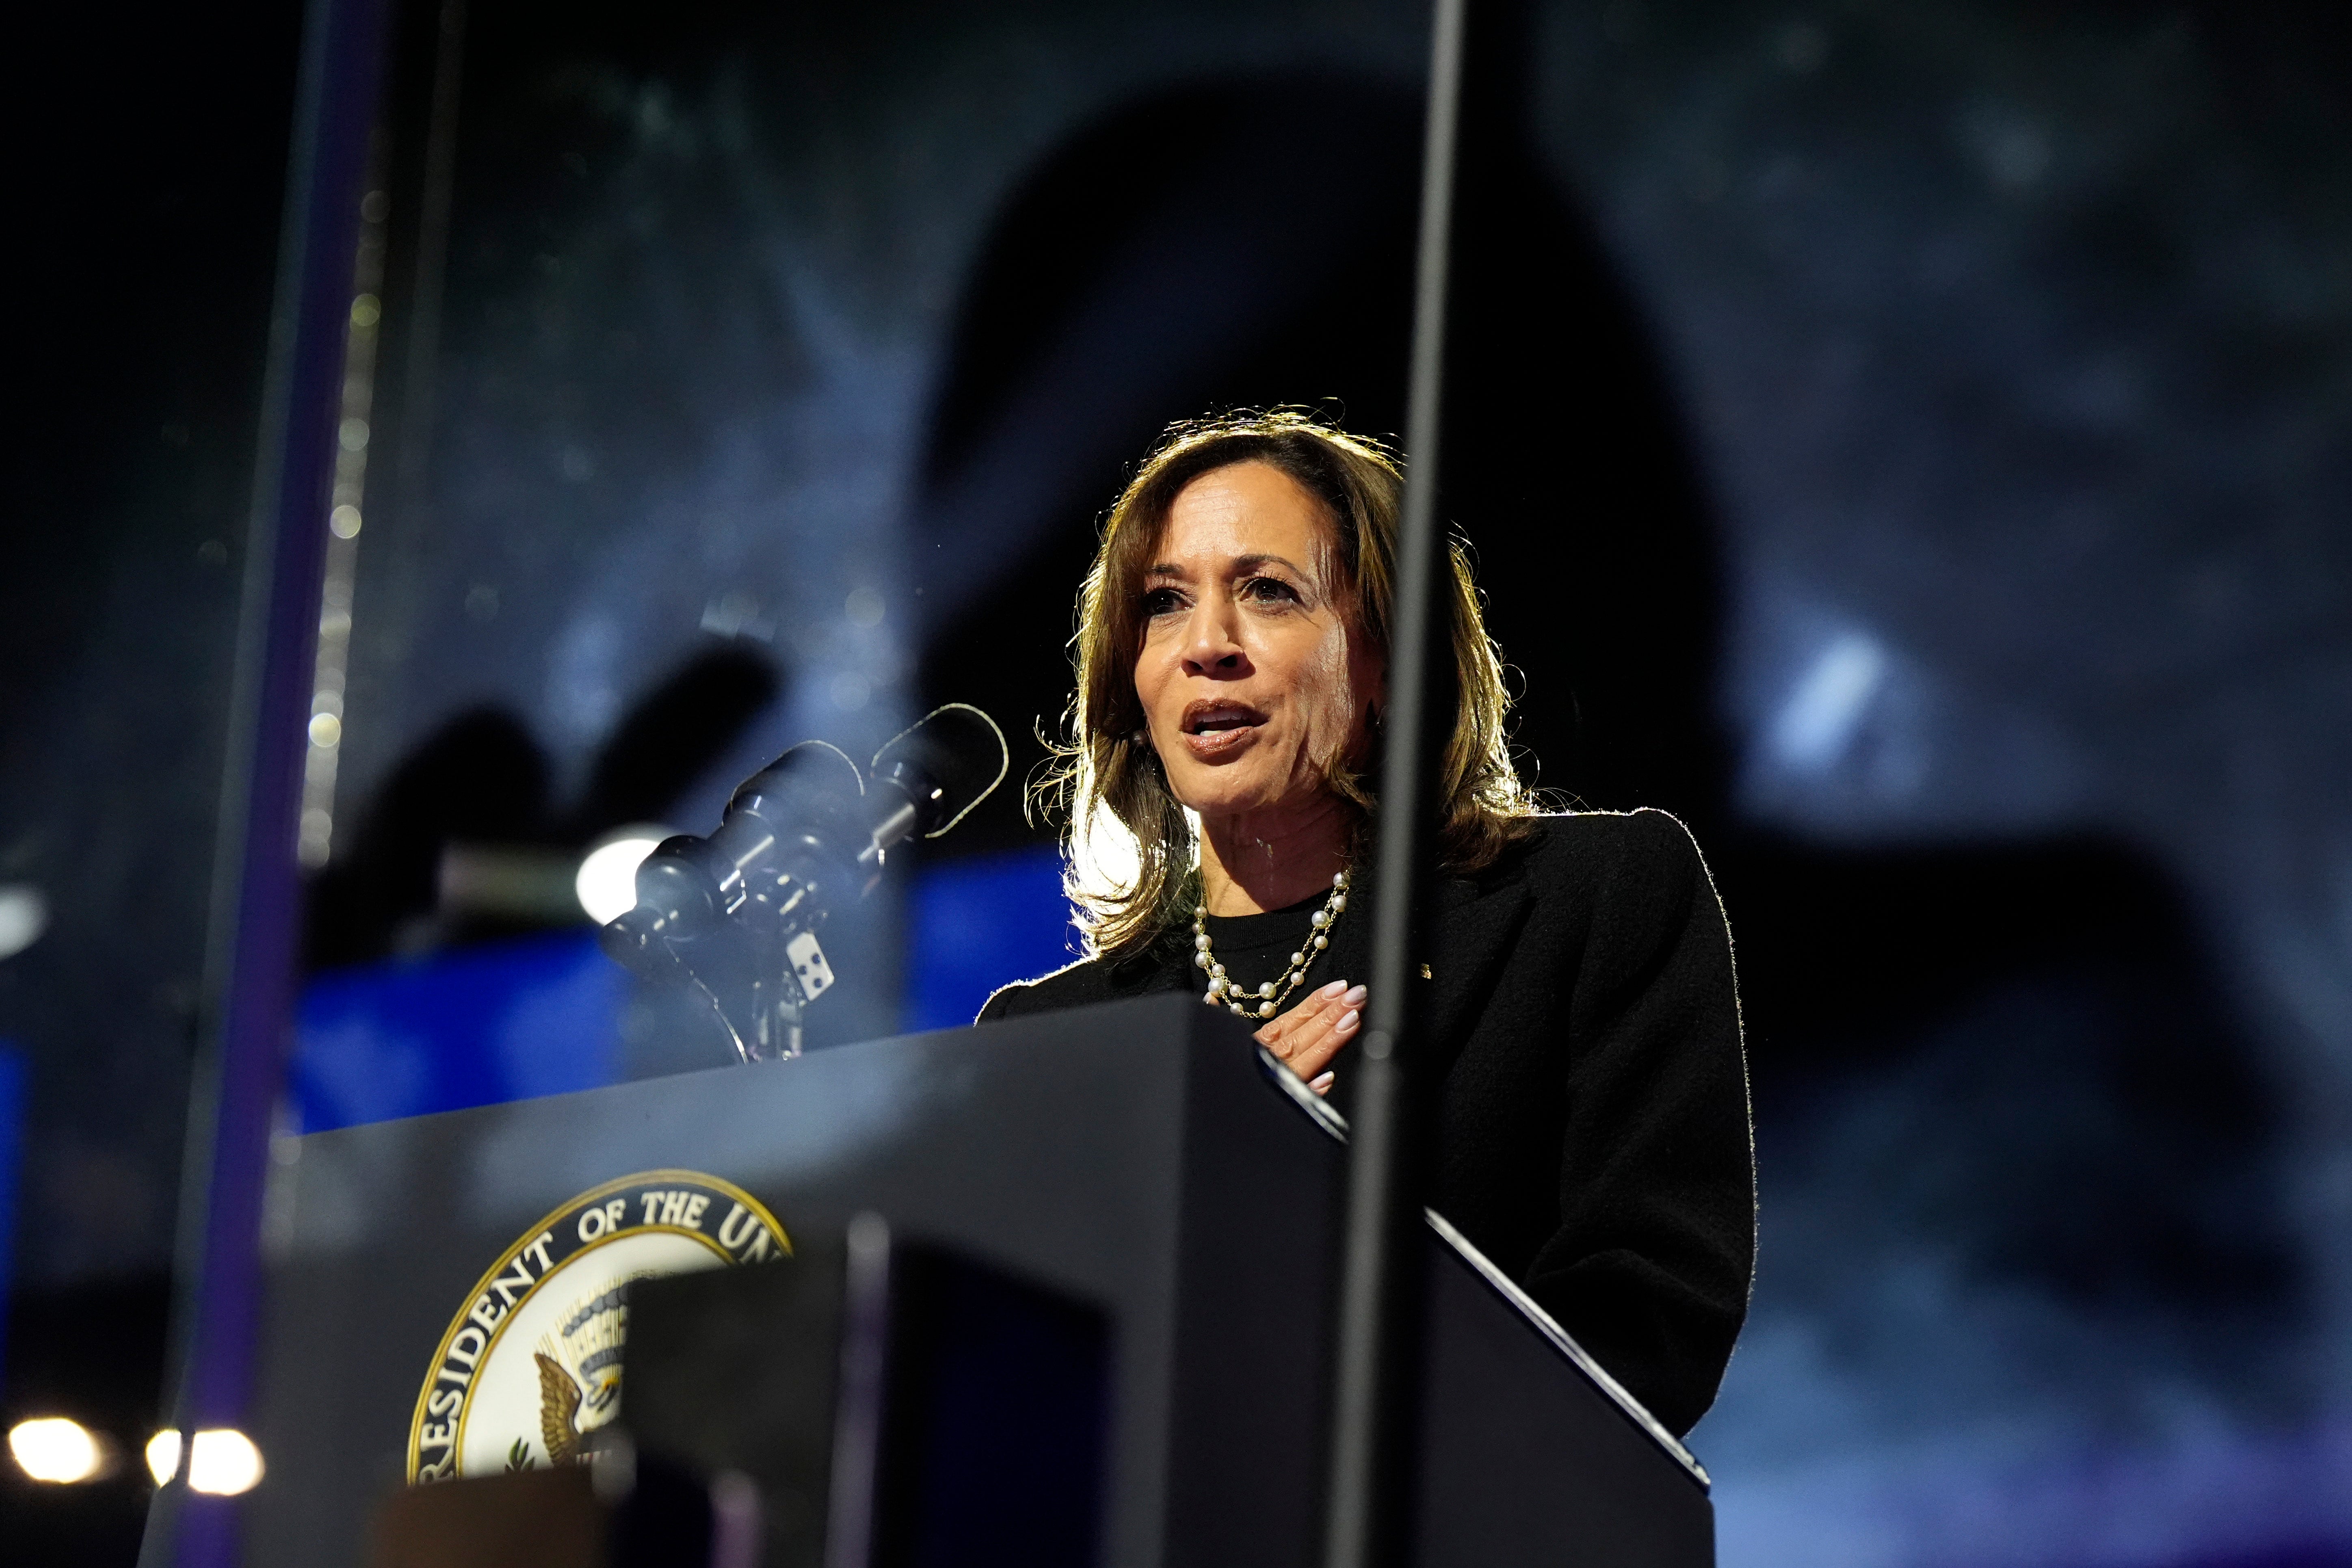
(1105, 773)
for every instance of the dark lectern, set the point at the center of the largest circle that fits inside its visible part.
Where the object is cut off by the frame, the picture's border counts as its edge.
(447, 1293)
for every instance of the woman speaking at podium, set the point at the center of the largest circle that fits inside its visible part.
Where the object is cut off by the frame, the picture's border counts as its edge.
(1592, 1132)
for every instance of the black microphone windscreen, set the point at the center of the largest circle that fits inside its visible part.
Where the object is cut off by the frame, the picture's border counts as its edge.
(812, 770)
(957, 754)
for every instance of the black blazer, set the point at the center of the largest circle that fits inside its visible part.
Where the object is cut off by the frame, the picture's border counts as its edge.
(1593, 1136)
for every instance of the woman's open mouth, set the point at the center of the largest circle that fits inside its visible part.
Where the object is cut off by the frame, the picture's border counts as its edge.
(1220, 728)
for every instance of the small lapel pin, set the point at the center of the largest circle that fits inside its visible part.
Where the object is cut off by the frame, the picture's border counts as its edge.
(1424, 972)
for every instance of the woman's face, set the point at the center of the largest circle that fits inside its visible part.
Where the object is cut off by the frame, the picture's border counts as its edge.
(1252, 672)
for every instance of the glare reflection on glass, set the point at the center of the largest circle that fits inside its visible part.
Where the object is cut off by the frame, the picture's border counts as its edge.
(318, 765)
(1827, 701)
(850, 691)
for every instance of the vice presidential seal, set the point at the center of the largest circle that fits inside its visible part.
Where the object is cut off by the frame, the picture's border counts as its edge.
(531, 1362)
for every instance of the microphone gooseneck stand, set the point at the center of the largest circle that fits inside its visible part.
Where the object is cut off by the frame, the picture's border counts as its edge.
(1376, 1375)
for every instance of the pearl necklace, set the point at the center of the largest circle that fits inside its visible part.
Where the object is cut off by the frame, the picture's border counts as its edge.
(1226, 993)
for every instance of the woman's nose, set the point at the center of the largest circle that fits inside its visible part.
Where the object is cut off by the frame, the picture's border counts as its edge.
(1211, 646)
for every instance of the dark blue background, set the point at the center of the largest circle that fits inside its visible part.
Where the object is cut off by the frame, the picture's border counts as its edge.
(1909, 442)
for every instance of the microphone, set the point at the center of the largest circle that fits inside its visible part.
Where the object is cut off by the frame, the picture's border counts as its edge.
(736, 915)
(941, 766)
(759, 856)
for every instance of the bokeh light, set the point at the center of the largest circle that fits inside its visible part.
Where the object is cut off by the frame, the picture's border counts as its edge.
(24, 916)
(224, 1462)
(56, 1449)
(607, 882)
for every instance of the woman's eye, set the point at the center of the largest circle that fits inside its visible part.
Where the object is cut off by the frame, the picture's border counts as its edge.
(1269, 591)
(1162, 602)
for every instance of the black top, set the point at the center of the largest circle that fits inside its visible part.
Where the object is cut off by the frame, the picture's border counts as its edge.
(1255, 948)
(1593, 1133)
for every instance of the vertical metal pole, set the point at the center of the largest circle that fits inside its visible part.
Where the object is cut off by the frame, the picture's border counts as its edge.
(254, 939)
(1376, 1378)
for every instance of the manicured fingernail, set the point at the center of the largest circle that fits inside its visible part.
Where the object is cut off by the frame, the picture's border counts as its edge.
(1355, 998)
(1332, 990)
(1346, 1022)
(1322, 1084)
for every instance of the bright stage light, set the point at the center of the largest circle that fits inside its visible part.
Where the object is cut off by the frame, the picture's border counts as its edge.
(163, 1455)
(55, 1449)
(607, 882)
(24, 916)
(223, 1462)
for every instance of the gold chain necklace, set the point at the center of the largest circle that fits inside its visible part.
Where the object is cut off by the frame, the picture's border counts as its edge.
(1227, 993)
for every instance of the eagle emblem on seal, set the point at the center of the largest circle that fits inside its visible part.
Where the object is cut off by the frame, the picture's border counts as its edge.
(531, 1364)
(579, 1370)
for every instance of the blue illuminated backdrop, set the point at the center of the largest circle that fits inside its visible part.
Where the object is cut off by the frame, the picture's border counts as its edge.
(543, 1014)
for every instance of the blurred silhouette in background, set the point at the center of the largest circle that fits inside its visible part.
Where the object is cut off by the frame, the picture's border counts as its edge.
(2015, 346)
(2021, 1050)
(481, 783)
(1162, 265)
